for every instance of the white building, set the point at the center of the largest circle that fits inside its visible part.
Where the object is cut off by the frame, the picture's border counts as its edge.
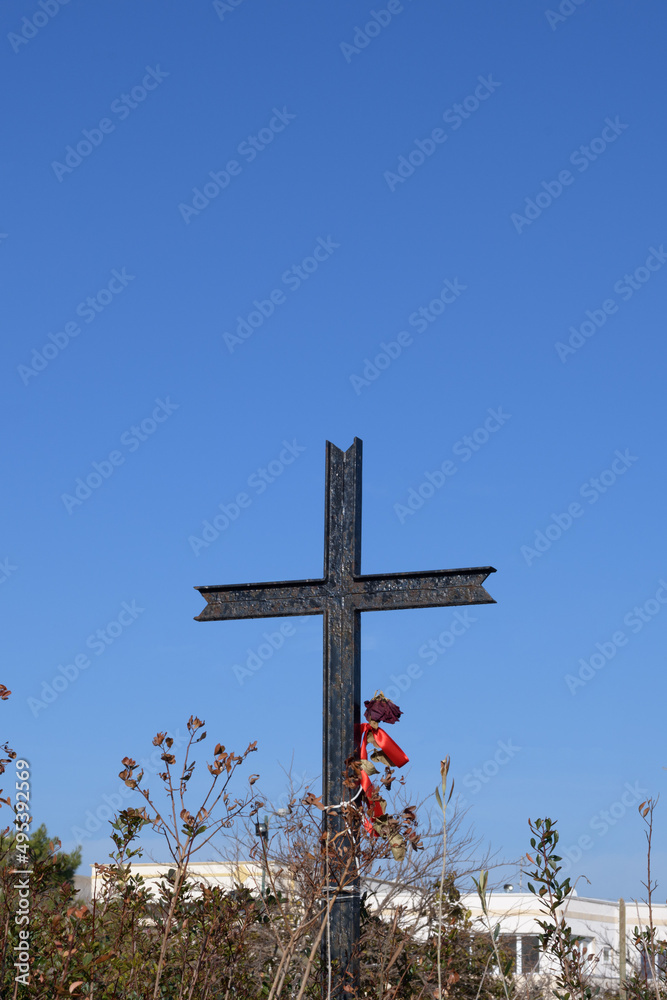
(213, 873)
(595, 922)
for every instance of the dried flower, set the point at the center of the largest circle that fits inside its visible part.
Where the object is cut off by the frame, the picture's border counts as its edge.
(381, 709)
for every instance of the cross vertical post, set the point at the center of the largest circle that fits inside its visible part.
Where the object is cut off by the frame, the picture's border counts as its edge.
(341, 707)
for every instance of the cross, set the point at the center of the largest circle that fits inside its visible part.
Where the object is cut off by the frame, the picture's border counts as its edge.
(340, 596)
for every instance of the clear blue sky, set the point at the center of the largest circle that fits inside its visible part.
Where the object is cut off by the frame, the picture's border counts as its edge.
(471, 185)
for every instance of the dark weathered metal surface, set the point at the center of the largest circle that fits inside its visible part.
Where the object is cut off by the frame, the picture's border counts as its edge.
(340, 596)
(341, 703)
(368, 593)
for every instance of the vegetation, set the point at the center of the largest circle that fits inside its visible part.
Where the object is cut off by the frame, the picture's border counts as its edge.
(178, 938)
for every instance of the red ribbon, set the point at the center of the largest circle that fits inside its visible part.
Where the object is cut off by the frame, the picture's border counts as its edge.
(394, 755)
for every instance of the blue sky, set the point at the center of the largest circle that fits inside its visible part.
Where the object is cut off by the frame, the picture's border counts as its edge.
(232, 232)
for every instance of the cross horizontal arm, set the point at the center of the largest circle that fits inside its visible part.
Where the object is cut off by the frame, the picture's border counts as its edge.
(421, 590)
(262, 600)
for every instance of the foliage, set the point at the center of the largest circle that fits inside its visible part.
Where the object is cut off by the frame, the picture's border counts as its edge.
(647, 982)
(178, 938)
(181, 939)
(574, 968)
(407, 966)
(43, 848)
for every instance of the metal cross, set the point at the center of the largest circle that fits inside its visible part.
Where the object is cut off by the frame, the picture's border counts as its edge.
(340, 596)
